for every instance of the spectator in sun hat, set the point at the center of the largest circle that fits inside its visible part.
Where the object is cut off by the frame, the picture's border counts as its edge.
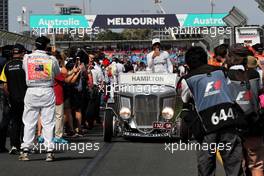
(247, 79)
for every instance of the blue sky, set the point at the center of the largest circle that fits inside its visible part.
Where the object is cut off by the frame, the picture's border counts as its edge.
(249, 7)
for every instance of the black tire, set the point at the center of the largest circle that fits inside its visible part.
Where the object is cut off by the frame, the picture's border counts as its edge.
(108, 126)
(184, 132)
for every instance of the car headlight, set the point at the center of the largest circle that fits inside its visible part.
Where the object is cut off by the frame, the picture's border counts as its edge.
(167, 113)
(125, 113)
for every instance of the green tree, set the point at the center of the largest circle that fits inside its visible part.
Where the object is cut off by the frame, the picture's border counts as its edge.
(109, 35)
(136, 34)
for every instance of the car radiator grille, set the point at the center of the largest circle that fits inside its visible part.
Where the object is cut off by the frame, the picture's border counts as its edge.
(146, 109)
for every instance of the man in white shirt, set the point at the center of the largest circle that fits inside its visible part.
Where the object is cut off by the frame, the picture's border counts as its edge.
(120, 67)
(98, 75)
(116, 68)
(95, 97)
(158, 61)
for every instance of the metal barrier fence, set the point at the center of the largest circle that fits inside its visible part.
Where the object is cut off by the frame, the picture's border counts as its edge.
(8, 38)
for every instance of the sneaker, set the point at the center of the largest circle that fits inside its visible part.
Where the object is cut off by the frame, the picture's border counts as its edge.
(71, 134)
(79, 132)
(23, 156)
(50, 157)
(60, 140)
(40, 140)
(14, 151)
(75, 135)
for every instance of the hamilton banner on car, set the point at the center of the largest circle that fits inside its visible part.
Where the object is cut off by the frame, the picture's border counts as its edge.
(148, 79)
(127, 21)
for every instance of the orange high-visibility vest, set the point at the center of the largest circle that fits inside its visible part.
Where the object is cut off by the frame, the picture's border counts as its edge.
(260, 60)
(214, 62)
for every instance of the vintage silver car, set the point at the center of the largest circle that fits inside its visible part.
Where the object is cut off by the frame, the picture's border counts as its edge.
(141, 105)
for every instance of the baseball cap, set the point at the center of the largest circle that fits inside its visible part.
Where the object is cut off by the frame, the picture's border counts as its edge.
(240, 50)
(42, 41)
(155, 40)
(258, 47)
(18, 49)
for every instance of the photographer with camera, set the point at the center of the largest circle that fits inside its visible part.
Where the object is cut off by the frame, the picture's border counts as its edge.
(213, 119)
(63, 78)
(73, 93)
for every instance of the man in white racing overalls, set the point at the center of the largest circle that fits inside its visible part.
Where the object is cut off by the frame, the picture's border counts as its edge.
(40, 71)
(158, 61)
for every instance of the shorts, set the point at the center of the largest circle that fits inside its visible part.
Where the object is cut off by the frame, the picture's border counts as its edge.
(67, 103)
(76, 100)
(255, 152)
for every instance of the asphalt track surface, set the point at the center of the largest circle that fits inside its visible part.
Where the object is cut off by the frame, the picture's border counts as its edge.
(120, 158)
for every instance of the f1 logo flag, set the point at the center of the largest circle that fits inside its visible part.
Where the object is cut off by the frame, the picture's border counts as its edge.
(244, 97)
(213, 88)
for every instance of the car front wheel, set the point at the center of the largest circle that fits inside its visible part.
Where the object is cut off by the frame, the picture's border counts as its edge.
(108, 126)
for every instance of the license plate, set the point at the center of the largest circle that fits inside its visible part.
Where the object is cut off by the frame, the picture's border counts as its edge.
(162, 125)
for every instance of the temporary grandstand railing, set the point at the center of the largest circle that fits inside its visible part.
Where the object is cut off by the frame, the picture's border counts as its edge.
(9, 38)
(131, 43)
(261, 4)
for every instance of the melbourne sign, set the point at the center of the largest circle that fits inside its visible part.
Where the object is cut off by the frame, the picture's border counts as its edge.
(136, 21)
(127, 21)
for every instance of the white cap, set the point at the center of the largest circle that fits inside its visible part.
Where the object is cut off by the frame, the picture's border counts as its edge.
(155, 40)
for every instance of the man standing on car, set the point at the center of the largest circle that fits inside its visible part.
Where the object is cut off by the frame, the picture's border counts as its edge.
(40, 71)
(158, 61)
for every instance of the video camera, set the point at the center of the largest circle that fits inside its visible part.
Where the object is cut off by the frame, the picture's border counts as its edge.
(70, 63)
